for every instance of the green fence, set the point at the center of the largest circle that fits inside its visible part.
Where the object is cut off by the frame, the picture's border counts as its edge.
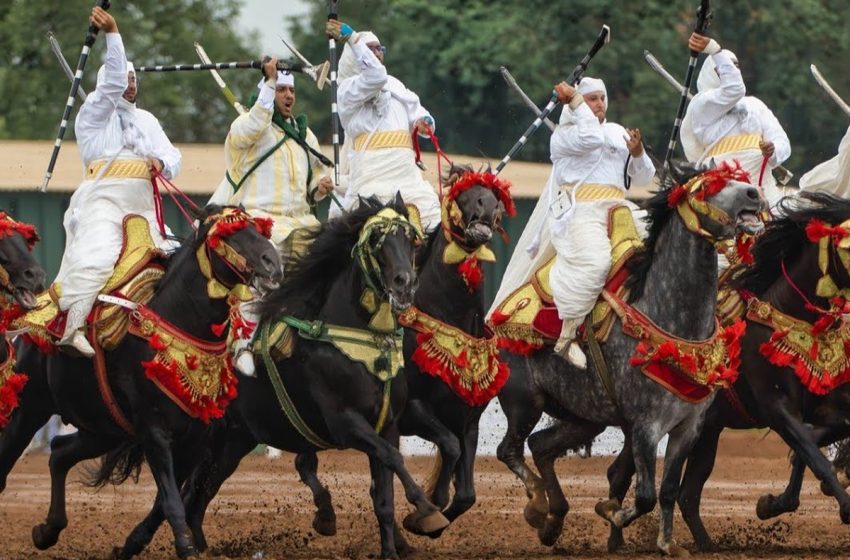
(46, 210)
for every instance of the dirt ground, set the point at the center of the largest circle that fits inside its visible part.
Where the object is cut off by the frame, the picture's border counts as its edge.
(264, 513)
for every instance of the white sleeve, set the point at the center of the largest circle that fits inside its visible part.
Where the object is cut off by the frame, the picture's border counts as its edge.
(249, 127)
(772, 131)
(163, 149)
(367, 84)
(708, 106)
(101, 103)
(641, 170)
(578, 138)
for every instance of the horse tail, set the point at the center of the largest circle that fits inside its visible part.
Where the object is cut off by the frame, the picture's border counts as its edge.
(116, 466)
(434, 475)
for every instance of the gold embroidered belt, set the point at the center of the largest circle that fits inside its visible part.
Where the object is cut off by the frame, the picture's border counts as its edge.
(736, 143)
(382, 140)
(119, 169)
(594, 191)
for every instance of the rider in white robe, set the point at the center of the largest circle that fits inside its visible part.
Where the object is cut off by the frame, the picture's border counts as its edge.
(118, 144)
(593, 160)
(723, 123)
(379, 115)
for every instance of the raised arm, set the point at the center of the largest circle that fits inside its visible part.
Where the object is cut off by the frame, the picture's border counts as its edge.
(579, 131)
(101, 103)
(247, 129)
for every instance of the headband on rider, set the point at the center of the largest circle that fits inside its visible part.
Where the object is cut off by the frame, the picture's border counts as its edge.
(283, 79)
(592, 85)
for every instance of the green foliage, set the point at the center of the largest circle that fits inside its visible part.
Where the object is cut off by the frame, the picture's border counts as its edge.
(449, 52)
(33, 88)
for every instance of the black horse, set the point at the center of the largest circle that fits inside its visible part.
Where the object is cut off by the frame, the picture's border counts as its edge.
(788, 267)
(445, 401)
(333, 400)
(675, 289)
(229, 251)
(20, 278)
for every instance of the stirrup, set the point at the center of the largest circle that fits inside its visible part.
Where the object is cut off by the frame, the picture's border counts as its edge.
(576, 356)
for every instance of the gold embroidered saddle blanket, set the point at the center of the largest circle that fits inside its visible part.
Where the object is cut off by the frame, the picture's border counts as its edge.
(139, 268)
(527, 319)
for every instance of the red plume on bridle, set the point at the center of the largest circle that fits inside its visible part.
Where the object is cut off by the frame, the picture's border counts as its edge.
(236, 220)
(8, 226)
(502, 189)
(711, 182)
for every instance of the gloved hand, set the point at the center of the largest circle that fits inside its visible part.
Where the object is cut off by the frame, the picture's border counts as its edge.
(338, 30)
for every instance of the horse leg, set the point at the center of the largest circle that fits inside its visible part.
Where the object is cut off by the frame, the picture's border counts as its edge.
(546, 446)
(425, 425)
(65, 452)
(644, 448)
(381, 491)
(354, 431)
(682, 439)
(324, 520)
(464, 497)
(523, 411)
(770, 506)
(620, 475)
(157, 446)
(699, 467)
(143, 533)
(31, 415)
(799, 438)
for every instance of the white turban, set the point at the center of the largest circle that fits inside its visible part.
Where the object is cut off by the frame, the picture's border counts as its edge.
(708, 78)
(348, 63)
(101, 73)
(283, 79)
(590, 85)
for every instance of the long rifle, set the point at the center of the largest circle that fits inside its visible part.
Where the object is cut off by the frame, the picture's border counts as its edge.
(91, 35)
(333, 14)
(528, 101)
(57, 51)
(703, 19)
(256, 64)
(603, 38)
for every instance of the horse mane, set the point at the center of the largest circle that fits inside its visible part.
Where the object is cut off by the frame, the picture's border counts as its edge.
(308, 279)
(785, 237)
(658, 214)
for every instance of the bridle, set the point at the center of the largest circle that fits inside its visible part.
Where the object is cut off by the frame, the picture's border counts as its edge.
(386, 222)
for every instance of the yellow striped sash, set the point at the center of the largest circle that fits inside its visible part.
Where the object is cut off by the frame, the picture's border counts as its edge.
(385, 139)
(120, 168)
(595, 191)
(735, 143)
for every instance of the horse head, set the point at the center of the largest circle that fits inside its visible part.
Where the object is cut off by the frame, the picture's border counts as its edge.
(472, 208)
(718, 203)
(21, 277)
(385, 252)
(236, 247)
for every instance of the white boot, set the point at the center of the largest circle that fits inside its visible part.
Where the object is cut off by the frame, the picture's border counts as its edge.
(73, 336)
(245, 359)
(567, 346)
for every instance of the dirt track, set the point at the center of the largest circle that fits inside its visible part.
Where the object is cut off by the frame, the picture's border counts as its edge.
(265, 512)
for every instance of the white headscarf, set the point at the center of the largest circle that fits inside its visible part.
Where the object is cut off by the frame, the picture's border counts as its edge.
(708, 78)
(283, 79)
(585, 86)
(348, 63)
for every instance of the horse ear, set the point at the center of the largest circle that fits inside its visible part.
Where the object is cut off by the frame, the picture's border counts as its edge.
(681, 171)
(399, 201)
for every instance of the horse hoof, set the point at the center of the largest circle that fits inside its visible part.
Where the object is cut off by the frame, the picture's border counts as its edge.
(551, 530)
(845, 513)
(615, 540)
(766, 507)
(43, 536)
(428, 525)
(534, 516)
(324, 526)
(674, 550)
(607, 509)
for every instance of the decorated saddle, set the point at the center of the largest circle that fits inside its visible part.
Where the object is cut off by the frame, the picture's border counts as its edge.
(528, 319)
(139, 268)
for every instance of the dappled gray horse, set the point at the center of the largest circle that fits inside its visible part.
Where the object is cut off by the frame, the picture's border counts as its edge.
(673, 284)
